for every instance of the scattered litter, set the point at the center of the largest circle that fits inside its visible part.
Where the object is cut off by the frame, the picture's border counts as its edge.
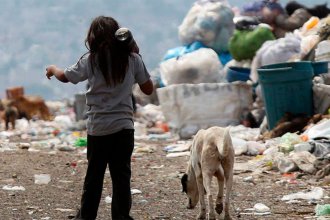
(177, 148)
(261, 208)
(81, 142)
(135, 191)
(108, 200)
(146, 149)
(64, 210)
(64, 147)
(165, 136)
(13, 188)
(322, 210)
(41, 179)
(249, 179)
(178, 154)
(316, 193)
(65, 181)
(143, 201)
(157, 167)
(24, 146)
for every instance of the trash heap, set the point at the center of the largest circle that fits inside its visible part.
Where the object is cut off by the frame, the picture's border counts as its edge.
(244, 66)
(235, 68)
(269, 80)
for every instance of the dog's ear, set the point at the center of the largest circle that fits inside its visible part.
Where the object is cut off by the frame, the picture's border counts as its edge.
(184, 180)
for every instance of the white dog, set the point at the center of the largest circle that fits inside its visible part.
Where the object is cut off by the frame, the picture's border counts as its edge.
(211, 154)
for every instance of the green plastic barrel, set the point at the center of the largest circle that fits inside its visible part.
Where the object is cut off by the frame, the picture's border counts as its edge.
(286, 87)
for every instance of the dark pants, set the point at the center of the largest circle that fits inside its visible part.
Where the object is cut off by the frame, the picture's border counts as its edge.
(114, 150)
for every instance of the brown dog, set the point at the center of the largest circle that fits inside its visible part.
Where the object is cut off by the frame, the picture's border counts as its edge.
(30, 106)
(211, 154)
(9, 113)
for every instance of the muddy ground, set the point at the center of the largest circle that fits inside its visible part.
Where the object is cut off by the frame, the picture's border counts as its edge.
(155, 175)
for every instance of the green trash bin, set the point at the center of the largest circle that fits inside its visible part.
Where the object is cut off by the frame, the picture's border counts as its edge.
(286, 87)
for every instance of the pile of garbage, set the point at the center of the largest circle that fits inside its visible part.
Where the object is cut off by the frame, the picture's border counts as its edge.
(213, 78)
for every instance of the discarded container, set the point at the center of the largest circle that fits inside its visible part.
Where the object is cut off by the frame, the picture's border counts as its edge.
(286, 87)
(238, 74)
(320, 67)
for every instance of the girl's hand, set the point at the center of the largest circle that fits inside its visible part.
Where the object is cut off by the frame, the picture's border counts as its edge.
(53, 70)
(50, 71)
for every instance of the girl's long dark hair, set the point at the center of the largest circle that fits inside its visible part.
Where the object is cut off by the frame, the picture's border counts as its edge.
(106, 51)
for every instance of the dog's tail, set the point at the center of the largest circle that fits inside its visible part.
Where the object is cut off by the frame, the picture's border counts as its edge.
(226, 144)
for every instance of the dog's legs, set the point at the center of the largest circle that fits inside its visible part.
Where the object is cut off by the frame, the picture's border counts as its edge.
(7, 124)
(228, 172)
(207, 183)
(219, 200)
(200, 186)
(13, 122)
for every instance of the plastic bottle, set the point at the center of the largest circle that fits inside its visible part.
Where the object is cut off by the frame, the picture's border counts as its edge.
(321, 210)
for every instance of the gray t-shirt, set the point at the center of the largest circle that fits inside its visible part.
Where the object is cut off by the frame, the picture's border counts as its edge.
(110, 109)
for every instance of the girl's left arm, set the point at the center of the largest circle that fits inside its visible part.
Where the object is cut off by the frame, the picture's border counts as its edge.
(53, 70)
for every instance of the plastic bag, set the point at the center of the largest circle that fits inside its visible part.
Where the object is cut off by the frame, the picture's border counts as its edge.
(322, 51)
(210, 22)
(179, 51)
(288, 141)
(200, 66)
(245, 43)
(322, 129)
(275, 51)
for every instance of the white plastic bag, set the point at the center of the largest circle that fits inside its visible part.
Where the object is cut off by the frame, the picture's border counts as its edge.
(321, 98)
(200, 66)
(322, 129)
(275, 51)
(316, 193)
(210, 22)
(322, 51)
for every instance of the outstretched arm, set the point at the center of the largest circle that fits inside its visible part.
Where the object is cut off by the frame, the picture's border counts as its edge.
(53, 70)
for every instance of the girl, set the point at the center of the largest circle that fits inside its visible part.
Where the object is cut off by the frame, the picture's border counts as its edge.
(111, 66)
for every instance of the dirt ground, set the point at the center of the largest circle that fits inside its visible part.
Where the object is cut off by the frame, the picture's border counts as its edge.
(156, 176)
